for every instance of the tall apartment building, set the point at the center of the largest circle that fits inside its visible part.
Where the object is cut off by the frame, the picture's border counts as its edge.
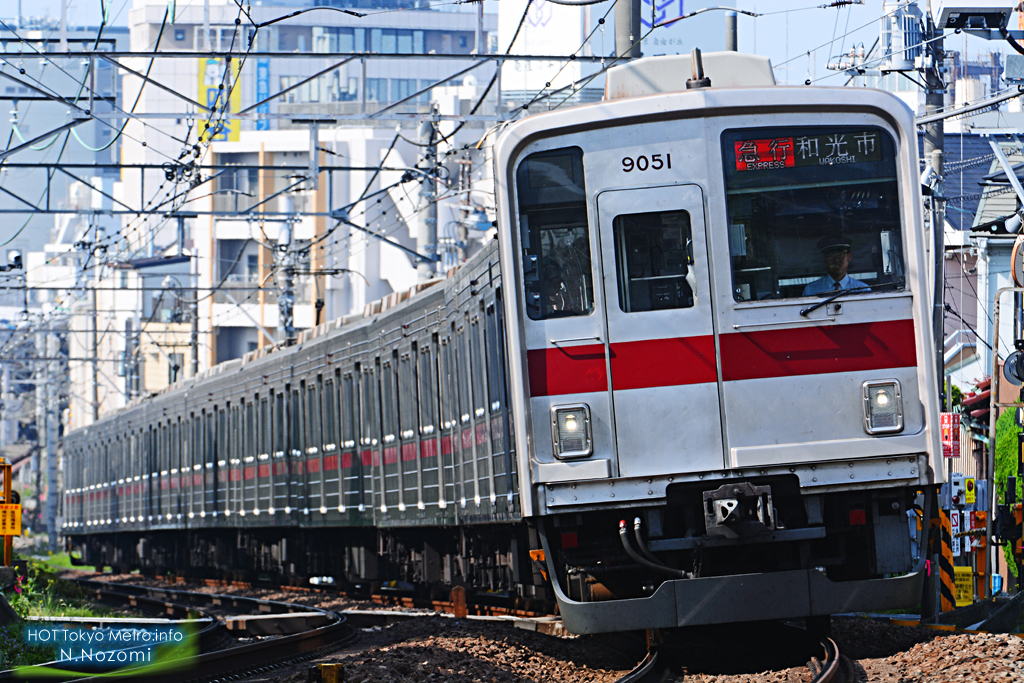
(233, 228)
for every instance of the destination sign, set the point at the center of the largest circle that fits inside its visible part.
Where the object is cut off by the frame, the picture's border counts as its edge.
(808, 150)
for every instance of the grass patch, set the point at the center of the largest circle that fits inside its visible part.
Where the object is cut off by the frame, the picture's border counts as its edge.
(41, 593)
(63, 561)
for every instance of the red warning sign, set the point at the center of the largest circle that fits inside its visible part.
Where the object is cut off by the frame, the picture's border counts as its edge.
(950, 426)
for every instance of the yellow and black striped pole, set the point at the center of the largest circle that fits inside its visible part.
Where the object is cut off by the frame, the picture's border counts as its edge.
(947, 590)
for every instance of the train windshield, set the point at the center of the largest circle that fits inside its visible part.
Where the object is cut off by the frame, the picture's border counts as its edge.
(555, 234)
(812, 210)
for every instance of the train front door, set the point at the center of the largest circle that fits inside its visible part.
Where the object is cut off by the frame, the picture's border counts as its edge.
(661, 343)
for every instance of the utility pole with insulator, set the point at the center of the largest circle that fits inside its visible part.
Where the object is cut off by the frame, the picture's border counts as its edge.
(426, 239)
(628, 30)
(53, 384)
(286, 279)
(39, 374)
(934, 100)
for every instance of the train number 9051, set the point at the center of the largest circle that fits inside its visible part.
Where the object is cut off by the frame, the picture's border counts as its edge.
(656, 162)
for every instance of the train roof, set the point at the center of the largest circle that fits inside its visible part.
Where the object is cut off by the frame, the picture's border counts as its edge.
(669, 73)
(372, 313)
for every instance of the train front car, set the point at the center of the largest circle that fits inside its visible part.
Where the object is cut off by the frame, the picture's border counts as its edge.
(724, 408)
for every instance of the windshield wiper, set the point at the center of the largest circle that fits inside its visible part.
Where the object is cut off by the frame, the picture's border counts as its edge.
(842, 292)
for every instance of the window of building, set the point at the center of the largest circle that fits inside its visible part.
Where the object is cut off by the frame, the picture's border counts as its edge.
(402, 88)
(400, 41)
(252, 266)
(338, 39)
(377, 89)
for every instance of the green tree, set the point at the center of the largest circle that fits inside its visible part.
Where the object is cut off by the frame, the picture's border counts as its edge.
(1007, 448)
(956, 397)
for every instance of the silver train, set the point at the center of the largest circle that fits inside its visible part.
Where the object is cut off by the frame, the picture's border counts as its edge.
(687, 384)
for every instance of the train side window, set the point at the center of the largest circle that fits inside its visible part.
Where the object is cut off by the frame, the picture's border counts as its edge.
(461, 367)
(477, 369)
(330, 416)
(812, 210)
(313, 442)
(236, 430)
(654, 261)
(369, 424)
(279, 424)
(445, 384)
(295, 421)
(495, 361)
(555, 234)
(264, 448)
(250, 432)
(427, 392)
(407, 396)
(348, 411)
(388, 402)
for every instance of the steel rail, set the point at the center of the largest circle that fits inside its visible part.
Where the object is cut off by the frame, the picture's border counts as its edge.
(650, 670)
(831, 672)
(653, 669)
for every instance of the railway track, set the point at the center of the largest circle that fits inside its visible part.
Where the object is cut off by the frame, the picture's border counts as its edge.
(656, 667)
(327, 630)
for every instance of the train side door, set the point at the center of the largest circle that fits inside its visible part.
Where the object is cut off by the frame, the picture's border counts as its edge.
(661, 343)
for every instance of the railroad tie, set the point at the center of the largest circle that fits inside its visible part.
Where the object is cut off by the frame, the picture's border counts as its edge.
(947, 591)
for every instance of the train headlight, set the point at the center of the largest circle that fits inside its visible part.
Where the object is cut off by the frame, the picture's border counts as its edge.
(570, 431)
(883, 407)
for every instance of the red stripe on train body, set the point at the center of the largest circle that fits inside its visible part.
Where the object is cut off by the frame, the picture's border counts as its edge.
(568, 370)
(408, 452)
(750, 355)
(819, 350)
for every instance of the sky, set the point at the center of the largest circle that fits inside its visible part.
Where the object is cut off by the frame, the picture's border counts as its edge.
(786, 31)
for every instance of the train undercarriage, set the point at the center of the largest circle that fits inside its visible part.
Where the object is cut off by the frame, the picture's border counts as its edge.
(770, 545)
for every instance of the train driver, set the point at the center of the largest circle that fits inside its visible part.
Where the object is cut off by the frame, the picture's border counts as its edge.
(556, 300)
(836, 254)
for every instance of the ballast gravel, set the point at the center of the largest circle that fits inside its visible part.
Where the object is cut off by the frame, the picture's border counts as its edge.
(437, 648)
(904, 654)
(434, 648)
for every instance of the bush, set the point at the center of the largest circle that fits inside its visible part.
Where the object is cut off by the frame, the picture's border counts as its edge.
(1007, 449)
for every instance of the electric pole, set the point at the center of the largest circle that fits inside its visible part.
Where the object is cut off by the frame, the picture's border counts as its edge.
(97, 272)
(627, 28)
(935, 90)
(52, 418)
(731, 42)
(426, 240)
(39, 372)
(5, 382)
(286, 280)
